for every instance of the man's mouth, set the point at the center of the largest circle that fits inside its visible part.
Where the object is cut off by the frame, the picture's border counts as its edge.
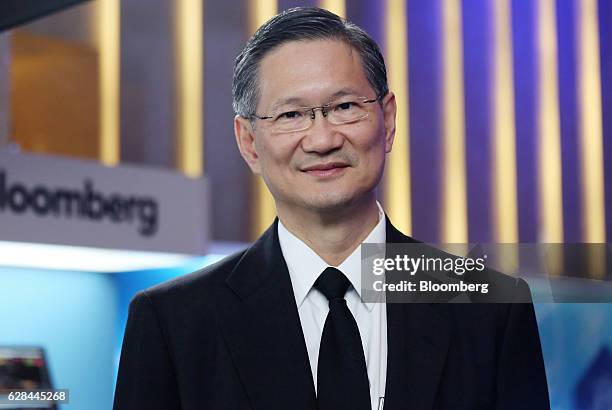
(325, 170)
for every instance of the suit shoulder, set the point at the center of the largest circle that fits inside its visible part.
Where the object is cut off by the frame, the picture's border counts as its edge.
(502, 287)
(506, 288)
(201, 282)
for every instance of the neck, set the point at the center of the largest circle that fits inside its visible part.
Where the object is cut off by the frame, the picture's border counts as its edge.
(332, 235)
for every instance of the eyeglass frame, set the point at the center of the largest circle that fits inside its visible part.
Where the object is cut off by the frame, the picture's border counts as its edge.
(324, 112)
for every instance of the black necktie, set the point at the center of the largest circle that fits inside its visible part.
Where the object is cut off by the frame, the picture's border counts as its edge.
(342, 376)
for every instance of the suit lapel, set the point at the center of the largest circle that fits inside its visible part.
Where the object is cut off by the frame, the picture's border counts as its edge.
(261, 325)
(417, 338)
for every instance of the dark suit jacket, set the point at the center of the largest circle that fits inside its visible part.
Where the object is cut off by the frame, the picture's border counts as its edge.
(229, 337)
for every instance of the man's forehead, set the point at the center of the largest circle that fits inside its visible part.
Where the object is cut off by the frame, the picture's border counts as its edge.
(310, 47)
(327, 68)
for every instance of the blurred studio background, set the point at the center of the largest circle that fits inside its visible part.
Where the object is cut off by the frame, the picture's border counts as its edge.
(119, 170)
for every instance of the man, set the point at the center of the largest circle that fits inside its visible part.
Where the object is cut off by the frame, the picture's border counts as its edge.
(282, 325)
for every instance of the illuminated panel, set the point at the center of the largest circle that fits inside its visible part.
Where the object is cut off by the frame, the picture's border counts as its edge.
(335, 6)
(454, 203)
(397, 176)
(189, 81)
(551, 206)
(504, 134)
(590, 122)
(109, 43)
(591, 134)
(85, 259)
(261, 11)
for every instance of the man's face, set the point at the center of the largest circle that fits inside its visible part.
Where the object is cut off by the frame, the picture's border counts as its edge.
(326, 167)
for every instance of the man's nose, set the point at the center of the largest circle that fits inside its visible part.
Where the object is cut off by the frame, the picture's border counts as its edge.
(322, 136)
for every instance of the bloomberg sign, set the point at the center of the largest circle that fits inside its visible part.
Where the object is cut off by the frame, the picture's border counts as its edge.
(63, 201)
(85, 203)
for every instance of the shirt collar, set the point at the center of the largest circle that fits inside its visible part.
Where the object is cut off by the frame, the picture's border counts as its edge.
(305, 265)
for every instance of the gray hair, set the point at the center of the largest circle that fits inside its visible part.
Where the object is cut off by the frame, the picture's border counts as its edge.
(299, 24)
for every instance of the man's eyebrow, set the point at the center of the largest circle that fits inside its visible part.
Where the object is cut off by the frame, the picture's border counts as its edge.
(285, 101)
(301, 102)
(343, 93)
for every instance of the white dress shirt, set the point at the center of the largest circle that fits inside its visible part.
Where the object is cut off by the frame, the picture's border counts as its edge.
(305, 266)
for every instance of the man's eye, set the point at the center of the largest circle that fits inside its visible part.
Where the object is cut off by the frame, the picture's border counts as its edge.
(289, 115)
(345, 106)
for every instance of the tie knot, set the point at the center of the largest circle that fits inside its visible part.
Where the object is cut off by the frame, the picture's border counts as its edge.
(332, 283)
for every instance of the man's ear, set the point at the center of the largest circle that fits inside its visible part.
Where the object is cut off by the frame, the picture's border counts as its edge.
(245, 139)
(389, 113)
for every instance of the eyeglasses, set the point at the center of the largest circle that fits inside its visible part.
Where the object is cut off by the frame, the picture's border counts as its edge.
(343, 111)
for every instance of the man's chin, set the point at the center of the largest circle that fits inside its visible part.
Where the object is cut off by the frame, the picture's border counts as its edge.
(330, 203)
